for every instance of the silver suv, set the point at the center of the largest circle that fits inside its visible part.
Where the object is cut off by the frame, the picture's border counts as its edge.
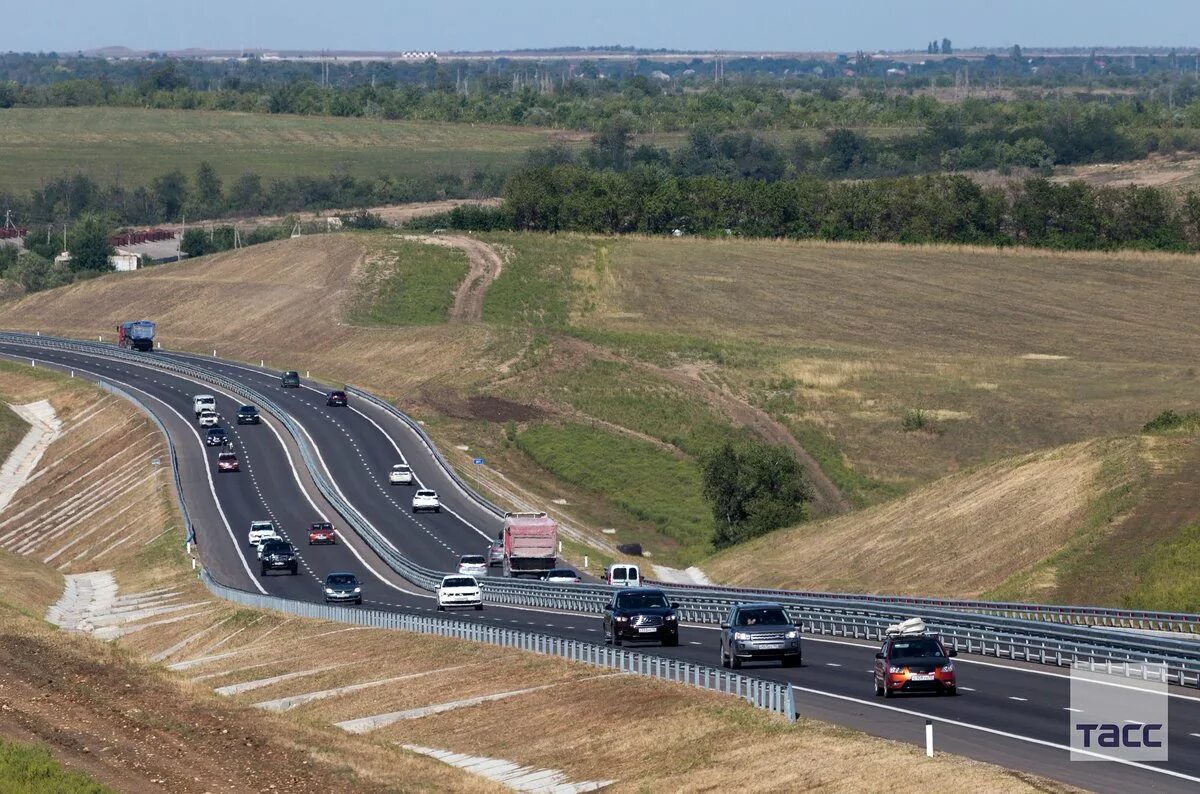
(759, 631)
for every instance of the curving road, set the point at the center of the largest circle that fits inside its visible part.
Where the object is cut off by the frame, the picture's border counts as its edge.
(1013, 714)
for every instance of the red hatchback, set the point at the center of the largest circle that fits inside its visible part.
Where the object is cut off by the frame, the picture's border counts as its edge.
(322, 532)
(227, 461)
(914, 663)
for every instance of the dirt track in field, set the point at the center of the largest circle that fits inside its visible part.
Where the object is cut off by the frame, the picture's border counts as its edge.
(486, 265)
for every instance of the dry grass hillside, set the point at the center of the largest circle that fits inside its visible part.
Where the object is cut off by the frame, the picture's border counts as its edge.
(281, 301)
(993, 522)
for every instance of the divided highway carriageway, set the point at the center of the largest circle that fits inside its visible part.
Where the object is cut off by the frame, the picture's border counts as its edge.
(1014, 713)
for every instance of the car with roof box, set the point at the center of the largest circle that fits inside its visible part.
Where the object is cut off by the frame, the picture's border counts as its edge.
(914, 659)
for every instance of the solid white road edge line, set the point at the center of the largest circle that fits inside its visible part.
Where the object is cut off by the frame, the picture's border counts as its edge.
(207, 464)
(392, 441)
(996, 732)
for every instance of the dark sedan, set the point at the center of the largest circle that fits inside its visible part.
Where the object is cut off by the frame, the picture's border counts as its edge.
(640, 614)
(248, 415)
(216, 437)
(336, 399)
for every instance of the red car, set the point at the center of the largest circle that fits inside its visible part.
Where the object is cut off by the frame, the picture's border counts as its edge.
(321, 532)
(914, 662)
(227, 461)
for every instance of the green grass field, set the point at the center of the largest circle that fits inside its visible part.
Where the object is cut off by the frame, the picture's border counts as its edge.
(649, 482)
(32, 770)
(132, 146)
(407, 283)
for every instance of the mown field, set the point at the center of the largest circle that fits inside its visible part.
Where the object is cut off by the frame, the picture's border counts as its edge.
(132, 146)
(604, 369)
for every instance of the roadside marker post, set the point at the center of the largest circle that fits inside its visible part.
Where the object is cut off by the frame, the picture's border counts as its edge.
(929, 738)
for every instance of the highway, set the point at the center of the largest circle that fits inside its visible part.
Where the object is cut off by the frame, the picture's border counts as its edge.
(1013, 714)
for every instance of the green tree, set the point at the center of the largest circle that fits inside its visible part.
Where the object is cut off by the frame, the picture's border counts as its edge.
(207, 197)
(610, 146)
(90, 249)
(171, 194)
(753, 488)
(946, 49)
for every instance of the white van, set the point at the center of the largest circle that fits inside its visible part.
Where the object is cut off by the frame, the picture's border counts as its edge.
(203, 402)
(622, 574)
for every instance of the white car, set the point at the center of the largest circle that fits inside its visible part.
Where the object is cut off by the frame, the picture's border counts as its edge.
(400, 474)
(426, 499)
(209, 418)
(202, 403)
(561, 576)
(260, 531)
(459, 591)
(473, 564)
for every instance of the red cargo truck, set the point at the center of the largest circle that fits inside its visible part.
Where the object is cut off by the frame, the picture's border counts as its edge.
(530, 543)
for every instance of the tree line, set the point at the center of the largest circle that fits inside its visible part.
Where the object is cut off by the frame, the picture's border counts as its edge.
(922, 209)
(564, 96)
(172, 196)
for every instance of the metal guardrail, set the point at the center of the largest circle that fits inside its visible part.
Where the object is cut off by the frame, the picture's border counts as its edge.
(1143, 620)
(771, 696)
(1002, 637)
(1108, 617)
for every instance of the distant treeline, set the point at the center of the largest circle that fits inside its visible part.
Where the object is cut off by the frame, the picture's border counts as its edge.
(805, 95)
(172, 196)
(925, 209)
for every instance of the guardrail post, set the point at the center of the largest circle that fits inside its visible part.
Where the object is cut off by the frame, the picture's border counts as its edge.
(791, 704)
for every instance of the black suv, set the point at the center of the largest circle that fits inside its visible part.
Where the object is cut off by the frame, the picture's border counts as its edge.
(290, 379)
(336, 398)
(759, 631)
(248, 415)
(640, 613)
(278, 555)
(342, 587)
(216, 437)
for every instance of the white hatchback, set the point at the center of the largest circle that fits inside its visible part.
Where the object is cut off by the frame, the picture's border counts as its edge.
(209, 418)
(400, 474)
(459, 591)
(260, 531)
(426, 499)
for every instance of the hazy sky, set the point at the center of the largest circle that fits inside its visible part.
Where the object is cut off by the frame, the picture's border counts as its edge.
(797, 25)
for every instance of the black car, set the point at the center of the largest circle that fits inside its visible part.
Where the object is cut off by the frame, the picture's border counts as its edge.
(216, 437)
(278, 555)
(248, 415)
(342, 587)
(641, 613)
(336, 399)
(759, 631)
(290, 379)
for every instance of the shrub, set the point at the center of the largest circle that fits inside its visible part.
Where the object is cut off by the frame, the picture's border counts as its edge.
(915, 419)
(1170, 420)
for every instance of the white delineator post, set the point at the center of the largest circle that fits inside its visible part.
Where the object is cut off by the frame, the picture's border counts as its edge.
(929, 738)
